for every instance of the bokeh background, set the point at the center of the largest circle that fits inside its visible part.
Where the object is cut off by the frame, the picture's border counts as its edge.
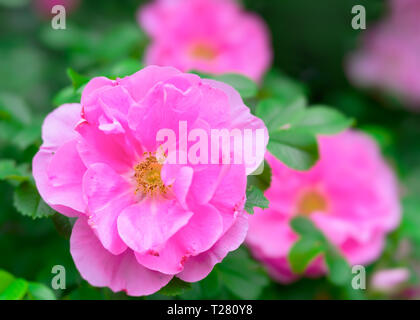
(311, 42)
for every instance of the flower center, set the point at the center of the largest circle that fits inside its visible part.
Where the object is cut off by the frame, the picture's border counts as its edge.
(311, 201)
(147, 176)
(203, 52)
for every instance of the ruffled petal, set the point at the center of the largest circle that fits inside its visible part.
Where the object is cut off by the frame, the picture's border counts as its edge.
(103, 269)
(198, 267)
(108, 194)
(202, 231)
(96, 146)
(242, 119)
(58, 126)
(147, 225)
(58, 177)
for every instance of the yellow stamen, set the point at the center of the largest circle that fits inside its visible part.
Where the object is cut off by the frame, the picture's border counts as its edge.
(310, 202)
(203, 52)
(147, 176)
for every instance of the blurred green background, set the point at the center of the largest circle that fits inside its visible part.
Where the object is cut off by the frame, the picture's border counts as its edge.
(310, 40)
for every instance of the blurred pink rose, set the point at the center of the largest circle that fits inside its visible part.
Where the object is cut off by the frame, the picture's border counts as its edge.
(213, 36)
(44, 6)
(350, 194)
(140, 221)
(389, 280)
(389, 57)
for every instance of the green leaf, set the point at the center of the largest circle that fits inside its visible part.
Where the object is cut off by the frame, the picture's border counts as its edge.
(175, 287)
(410, 224)
(14, 108)
(244, 85)
(16, 290)
(124, 68)
(339, 271)
(306, 227)
(303, 252)
(242, 276)
(255, 198)
(295, 148)
(5, 280)
(323, 120)
(39, 291)
(27, 136)
(286, 90)
(77, 79)
(62, 224)
(312, 243)
(280, 116)
(29, 203)
(67, 95)
(119, 42)
(263, 180)
(10, 171)
(85, 292)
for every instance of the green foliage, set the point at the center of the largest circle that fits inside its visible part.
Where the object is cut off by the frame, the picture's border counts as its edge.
(292, 126)
(262, 180)
(255, 198)
(105, 40)
(311, 244)
(11, 172)
(323, 120)
(410, 224)
(12, 288)
(62, 225)
(242, 276)
(77, 79)
(67, 95)
(296, 148)
(244, 85)
(29, 203)
(175, 287)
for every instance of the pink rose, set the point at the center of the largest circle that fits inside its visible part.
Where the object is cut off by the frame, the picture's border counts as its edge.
(141, 221)
(350, 194)
(390, 280)
(389, 56)
(213, 36)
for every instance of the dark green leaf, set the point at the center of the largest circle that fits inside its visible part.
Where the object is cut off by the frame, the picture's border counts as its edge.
(175, 287)
(29, 203)
(62, 225)
(77, 79)
(242, 276)
(263, 180)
